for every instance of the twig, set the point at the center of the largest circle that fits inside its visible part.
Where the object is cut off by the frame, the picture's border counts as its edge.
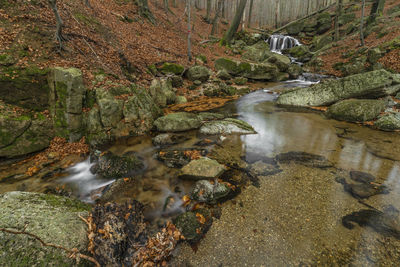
(74, 253)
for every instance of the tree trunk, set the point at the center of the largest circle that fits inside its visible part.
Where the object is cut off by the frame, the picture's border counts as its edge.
(377, 8)
(166, 7)
(362, 23)
(59, 23)
(144, 11)
(338, 14)
(235, 23)
(216, 18)
(208, 14)
(174, 4)
(189, 33)
(250, 13)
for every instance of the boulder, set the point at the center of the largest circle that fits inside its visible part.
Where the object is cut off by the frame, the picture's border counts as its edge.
(295, 28)
(111, 109)
(162, 92)
(193, 224)
(321, 41)
(167, 139)
(356, 110)
(176, 81)
(53, 219)
(199, 73)
(371, 84)
(281, 61)
(178, 157)
(346, 18)
(374, 54)
(177, 122)
(294, 71)
(202, 169)
(205, 191)
(240, 81)
(223, 75)
(257, 52)
(171, 68)
(261, 71)
(300, 52)
(388, 122)
(324, 22)
(227, 126)
(209, 116)
(304, 158)
(180, 99)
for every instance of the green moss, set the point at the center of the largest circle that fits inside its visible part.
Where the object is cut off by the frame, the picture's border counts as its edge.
(202, 58)
(172, 68)
(72, 205)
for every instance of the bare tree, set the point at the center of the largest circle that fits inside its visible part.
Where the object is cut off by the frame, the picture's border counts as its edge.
(216, 18)
(362, 23)
(377, 8)
(59, 22)
(208, 14)
(339, 8)
(250, 13)
(188, 4)
(235, 23)
(144, 10)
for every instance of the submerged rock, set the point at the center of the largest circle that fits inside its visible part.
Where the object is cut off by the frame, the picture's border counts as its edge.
(53, 219)
(201, 169)
(389, 122)
(371, 84)
(304, 158)
(177, 122)
(356, 110)
(261, 168)
(167, 139)
(193, 225)
(364, 189)
(227, 126)
(205, 191)
(361, 177)
(179, 157)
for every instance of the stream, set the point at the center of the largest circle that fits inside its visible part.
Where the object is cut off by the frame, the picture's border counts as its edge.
(294, 216)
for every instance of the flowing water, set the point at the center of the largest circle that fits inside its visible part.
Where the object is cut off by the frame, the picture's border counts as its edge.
(293, 217)
(278, 42)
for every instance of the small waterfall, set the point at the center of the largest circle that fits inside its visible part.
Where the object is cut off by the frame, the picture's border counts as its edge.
(278, 42)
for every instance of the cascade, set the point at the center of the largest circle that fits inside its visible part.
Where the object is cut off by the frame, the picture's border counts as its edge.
(278, 42)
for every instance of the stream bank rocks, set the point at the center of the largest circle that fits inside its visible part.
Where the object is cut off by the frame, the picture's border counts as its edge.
(227, 126)
(205, 191)
(356, 110)
(202, 169)
(54, 219)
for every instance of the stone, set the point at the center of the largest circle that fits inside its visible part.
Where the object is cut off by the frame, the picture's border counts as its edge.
(346, 18)
(295, 28)
(178, 157)
(202, 169)
(197, 82)
(240, 81)
(176, 81)
(356, 110)
(294, 71)
(167, 139)
(261, 71)
(261, 168)
(162, 92)
(388, 122)
(257, 52)
(324, 22)
(299, 52)
(200, 73)
(304, 158)
(281, 61)
(374, 54)
(227, 126)
(190, 226)
(205, 191)
(321, 41)
(371, 84)
(177, 122)
(355, 66)
(223, 75)
(180, 99)
(110, 110)
(172, 68)
(208, 116)
(54, 219)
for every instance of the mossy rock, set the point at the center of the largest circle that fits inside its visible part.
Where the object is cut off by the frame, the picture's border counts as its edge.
(388, 122)
(172, 68)
(177, 122)
(189, 224)
(346, 18)
(262, 71)
(295, 28)
(356, 110)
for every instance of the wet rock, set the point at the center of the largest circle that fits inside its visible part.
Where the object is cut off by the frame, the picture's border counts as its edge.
(261, 71)
(388, 122)
(281, 61)
(162, 92)
(167, 139)
(178, 157)
(192, 226)
(257, 52)
(304, 158)
(261, 168)
(205, 191)
(177, 122)
(199, 73)
(371, 84)
(361, 177)
(112, 166)
(356, 110)
(384, 223)
(363, 190)
(209, 116)
(294, 71)
(227, 126)
(223, 75)
(202, 169)
(52, 218)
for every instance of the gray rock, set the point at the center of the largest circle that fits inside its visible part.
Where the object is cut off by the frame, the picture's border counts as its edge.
(208, 116)
(370, 84)
(261, 71)
(257, 52)
(356, 110)
(52, 218)
(261, 168)
(200, 73)
(388, 122)
(166, 139)
(180, 99)
(162, 92)
(227, 126)
(202, 169)
(189, 225)
(205, 191)
(110, 110)
(223, 75)
(177, 122)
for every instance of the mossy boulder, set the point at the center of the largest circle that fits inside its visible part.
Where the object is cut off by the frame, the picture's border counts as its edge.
(370, 84)
(191, 226)
(261, 71)
(227, 126)
(25, 87)
(202, 169)
(162, 92)
(177, 122)
(321, 41)
(198, 73)
(111, 109)
(240, 80)
(281, 61)
(388, 122)
(374, 54)
(294, 71)
(257, 52)
(53, 219)
(346, 18)
(356, 110)
(300, 52)
(295, 28)
(324, 22)
(172, 68)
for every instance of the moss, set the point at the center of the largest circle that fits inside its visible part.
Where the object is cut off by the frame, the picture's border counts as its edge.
(202, 58)
(72, 205)
(172, 68)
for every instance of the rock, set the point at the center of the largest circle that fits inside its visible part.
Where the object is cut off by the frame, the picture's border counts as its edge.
(324, 22)
(111, 166)
(304, 158)
(295, 28)
(388, 122)
(300, 52)
(205, 191)
(176, 81)
(177, 122)
(355, 66)
(240, 81)
(321, 41)
(397, 96)
(197, 82)
(66, 97)
(356, 110)
(180, 99)
(294, 71)
(178, 157)
(189, 225)
(370, 84)
(202, 169)
(281, 61)
(162, 92)
(363, 190)
(110, 109)
(167, 139)
(17, 84)
(361, 177)
(22, 135)
(346, 18)
(200, 73)
(223, 75)
(257, 52)
(374, 54)
(262, 71)
(208, 116)
(53, 219)
(261, 168)
(172, 68)
(227, 126)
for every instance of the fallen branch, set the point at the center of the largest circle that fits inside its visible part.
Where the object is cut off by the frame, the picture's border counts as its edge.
(74, 253)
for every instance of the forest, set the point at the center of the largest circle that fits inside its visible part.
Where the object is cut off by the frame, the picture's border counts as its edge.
(199, 133)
